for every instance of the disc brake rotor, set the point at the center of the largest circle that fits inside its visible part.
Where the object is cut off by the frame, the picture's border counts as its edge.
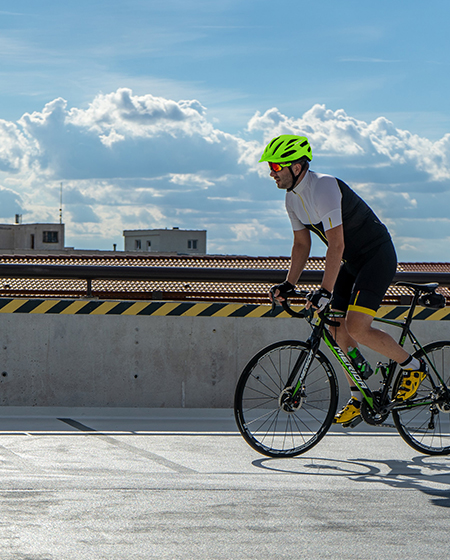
(288, 403)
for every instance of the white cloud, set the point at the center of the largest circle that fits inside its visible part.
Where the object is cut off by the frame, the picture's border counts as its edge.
(250, 231)
(129, 161)
(366, 146)
(190, 180)
(140, 116)
(122, 135)
(15, 148)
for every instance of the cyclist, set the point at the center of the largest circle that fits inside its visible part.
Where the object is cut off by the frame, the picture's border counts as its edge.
(359, 266)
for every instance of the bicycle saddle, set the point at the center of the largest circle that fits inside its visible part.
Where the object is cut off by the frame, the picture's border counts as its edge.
(424, 288)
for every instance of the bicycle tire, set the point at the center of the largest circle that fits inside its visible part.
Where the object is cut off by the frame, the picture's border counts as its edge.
(426, 428)
(262, 421)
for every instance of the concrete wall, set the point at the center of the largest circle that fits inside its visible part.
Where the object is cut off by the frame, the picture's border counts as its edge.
(140, 361)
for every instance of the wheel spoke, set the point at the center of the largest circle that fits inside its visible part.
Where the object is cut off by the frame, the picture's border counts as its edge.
(271, 420)
(426, 426)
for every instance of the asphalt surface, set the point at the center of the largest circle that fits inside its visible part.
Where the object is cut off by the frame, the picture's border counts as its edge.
(182, 484)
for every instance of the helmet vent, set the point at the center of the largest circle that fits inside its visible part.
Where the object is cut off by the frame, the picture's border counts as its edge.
(289, 153)
(273, 142)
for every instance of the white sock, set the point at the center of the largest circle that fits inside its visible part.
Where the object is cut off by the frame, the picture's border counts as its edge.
(411, 364)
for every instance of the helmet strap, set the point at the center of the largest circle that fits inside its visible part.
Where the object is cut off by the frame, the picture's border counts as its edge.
(294, 178)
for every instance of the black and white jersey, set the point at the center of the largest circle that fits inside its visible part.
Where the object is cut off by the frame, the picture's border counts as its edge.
(322, 202)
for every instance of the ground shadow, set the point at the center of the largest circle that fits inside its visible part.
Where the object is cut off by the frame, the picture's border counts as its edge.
(422, 473)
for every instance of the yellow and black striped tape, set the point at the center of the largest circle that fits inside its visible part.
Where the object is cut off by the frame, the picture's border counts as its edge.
(183, 309)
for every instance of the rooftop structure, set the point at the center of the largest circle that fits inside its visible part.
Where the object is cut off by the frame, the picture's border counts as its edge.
(239, 292)
(31, 237)
(175, 240)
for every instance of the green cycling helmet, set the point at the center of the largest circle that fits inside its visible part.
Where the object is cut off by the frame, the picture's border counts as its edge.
(287, 148)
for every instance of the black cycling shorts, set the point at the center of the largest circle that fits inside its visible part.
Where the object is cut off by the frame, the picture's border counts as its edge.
(362, 286)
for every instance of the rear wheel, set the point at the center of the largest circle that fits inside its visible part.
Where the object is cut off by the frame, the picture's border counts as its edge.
(424, 420)
(273, 420)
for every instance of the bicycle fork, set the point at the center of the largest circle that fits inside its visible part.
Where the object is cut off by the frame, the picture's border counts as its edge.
(292, 396)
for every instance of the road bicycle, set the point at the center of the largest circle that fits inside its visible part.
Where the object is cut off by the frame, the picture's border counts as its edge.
(287, 395)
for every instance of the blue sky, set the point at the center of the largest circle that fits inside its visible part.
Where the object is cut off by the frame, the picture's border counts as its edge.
(154, 115)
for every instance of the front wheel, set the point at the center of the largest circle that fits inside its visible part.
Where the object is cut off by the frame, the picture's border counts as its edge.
(424, 421)
(273, 420)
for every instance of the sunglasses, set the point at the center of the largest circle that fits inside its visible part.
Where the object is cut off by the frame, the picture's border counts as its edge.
(278, 167)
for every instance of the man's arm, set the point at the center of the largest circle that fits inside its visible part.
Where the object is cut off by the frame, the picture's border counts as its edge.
(299, 254)
(321, 297)
(333, 259)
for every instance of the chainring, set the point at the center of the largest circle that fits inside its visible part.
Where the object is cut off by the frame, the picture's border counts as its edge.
(369, 415)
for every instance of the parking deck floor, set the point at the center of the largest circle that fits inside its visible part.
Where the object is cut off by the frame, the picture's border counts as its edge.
(182, 484)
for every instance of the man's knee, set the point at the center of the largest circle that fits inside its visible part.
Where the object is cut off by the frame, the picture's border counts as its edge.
(358, 325)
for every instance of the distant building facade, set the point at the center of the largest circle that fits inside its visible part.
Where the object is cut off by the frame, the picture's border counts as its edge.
(175, 240)
(32, 237)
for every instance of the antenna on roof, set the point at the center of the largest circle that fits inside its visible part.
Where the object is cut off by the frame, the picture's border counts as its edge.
(60, 206)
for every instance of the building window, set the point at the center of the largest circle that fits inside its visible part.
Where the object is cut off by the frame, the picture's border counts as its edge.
(137, 244)
(192, 243)
(50, 237)
(149, 245)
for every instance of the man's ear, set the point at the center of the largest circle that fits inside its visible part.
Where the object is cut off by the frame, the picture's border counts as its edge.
(297, 168)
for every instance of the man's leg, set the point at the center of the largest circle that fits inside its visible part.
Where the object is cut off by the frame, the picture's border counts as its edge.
(341, 296)
(352, 410)
(368, 284)
(359, 327)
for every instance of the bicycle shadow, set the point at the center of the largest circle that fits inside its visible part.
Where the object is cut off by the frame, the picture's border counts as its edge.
(422, 473)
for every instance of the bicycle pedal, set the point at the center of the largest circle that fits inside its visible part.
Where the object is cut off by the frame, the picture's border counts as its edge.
(353, 423)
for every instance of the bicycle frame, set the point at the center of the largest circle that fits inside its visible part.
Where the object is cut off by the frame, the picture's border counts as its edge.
(322, 331)
(287, 395)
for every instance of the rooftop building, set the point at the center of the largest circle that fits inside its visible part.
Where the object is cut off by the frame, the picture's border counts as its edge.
(31, 237)
(175, 240)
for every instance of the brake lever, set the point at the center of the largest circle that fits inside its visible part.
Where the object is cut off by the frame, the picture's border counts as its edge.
(274, 301)
(304, 314)
(274, 306)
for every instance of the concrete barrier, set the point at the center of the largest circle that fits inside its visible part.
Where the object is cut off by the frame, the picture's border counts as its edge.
(142, 354)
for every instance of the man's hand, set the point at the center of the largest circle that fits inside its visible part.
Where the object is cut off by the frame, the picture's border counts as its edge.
(282, 291)
(319, 298)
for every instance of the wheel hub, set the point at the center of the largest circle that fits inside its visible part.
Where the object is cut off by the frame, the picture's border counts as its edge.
(444, 407)
(442, 401)
(288, 403)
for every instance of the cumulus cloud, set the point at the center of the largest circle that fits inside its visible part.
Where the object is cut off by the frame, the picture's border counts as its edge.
(366, 147)
(16, 149)
(127, 115)
(128, 161)
(122, 135)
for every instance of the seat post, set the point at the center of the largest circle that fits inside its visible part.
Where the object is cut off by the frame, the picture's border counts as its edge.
(409, 317)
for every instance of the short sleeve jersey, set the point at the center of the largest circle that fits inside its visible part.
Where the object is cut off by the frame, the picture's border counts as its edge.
(322, 202)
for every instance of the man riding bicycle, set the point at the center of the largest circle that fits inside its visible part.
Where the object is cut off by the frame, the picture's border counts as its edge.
(359, 266)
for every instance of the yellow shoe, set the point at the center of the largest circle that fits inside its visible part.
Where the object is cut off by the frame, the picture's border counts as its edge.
(411, 381)
(350, 411)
